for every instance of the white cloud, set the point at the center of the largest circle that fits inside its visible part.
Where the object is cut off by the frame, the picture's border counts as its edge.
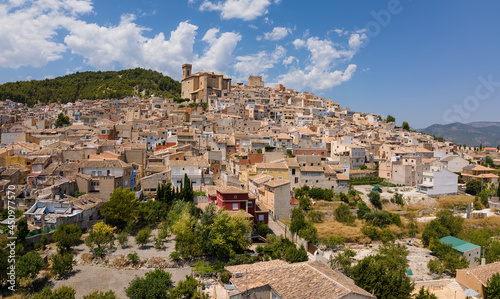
(356, 40)
(289, 60)
(28, 30)
(298, 43)
(278, 33)
(217, 55)
(30, 35)
(238, 9)
(320, 71)
(257, 63)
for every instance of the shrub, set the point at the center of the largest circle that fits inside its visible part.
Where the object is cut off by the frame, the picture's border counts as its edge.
(62, 264)
(343, 214)
(316, 216)
(294, 255)
(143, 236)
(262, 229)
(133, 257)
(123, 239)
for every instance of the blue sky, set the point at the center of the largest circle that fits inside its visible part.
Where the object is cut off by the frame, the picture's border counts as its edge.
(424, 62)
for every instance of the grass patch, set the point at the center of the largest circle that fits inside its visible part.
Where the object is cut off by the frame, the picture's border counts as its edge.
(325, 205)
(489, 222)
(449, 201)
(351, 234)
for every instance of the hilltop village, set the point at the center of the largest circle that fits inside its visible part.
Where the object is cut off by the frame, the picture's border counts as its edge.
(296, 195)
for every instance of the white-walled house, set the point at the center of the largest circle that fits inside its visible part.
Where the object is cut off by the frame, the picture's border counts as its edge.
(197, 169)
(439, 181)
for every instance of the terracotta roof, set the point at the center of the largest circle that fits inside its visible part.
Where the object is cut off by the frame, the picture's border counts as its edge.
(260, 178)
(483, 273)
(280, 165)
(231, 190)
(300, 280)
(312, 169)
(105, 164)
(277, 183)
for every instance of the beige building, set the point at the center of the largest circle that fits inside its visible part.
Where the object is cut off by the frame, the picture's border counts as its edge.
(198, 87)
(476, 278)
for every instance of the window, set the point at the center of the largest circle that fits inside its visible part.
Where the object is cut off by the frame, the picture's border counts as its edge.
(93, 173)
(305, 152)
(235, 206)
(293, 171)
(280, 170)
(296, 180)
(179, 182)
(261, 218)
(250, 204)
(99, 173)
(280, 178)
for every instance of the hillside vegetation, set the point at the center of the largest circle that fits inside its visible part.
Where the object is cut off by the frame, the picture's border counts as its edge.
(91, 86)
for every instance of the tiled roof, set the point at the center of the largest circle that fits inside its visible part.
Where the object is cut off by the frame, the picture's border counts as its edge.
(277, 183)
(105, 164)
(312, 169)
(300, 280)
(261, 178)
(231, 190)
(483, 273)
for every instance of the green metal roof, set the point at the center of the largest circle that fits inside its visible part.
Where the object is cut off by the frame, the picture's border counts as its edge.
(457, 244)
(409, 272)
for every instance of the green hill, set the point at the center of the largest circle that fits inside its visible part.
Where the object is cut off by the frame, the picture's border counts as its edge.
(91, 86)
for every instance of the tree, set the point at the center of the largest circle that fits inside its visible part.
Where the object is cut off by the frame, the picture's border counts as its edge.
(100, 238)
(187, 288)
(4, 265)
(425, 294)
(316, 216)
(434, 230)
(398, 199)
(374, 197)
(435, 266)
(62, 264)
(187, 240)
(298, 221)
(101, 295)
(304, 203)
(120, 208)
(44, 240)
(363, 209)
(63, 292)
(22, 230)
(294, 255)
(342, 261)
(309, 233)
(406, 126)
(384, 274)
(390, 119)
(143, 236)
(262, 229)
(29, 265)
(122, 239)
(316, 193)
(154, 285)
(493, 287)
(229, 234)
(343, 214)
(61, 120)
(473, 187)
(67, 235)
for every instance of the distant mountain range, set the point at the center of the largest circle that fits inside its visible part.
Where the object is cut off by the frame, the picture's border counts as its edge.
(471, 134)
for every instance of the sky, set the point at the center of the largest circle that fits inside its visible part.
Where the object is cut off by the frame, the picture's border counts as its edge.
(423, 62)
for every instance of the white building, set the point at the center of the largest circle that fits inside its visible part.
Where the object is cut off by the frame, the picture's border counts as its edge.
(439, 181)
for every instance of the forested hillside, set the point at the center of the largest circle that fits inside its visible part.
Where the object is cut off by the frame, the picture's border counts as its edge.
(91, 85)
